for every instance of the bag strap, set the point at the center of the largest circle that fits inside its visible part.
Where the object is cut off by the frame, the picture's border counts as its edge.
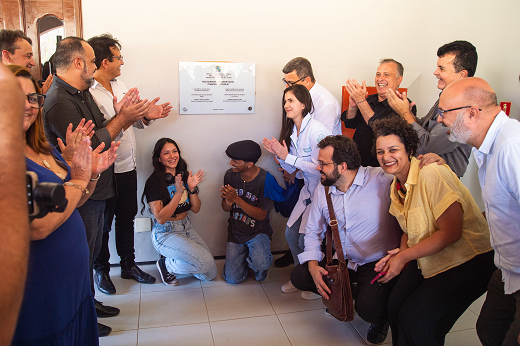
(332, 231)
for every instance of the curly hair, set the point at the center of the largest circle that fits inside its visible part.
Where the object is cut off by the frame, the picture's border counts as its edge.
(397, 126)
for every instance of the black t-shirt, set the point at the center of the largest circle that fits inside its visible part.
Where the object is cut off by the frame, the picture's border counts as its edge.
(242, 227)
(364, 135)
(153, 193)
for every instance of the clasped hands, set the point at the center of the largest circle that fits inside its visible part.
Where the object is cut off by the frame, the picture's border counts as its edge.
(357, 93)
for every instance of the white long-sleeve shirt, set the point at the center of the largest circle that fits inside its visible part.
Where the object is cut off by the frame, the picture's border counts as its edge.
(303, 155)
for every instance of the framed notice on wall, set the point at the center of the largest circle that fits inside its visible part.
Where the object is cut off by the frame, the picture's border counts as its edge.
(216, 88)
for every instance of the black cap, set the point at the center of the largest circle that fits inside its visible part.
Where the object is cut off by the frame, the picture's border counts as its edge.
(246, 150)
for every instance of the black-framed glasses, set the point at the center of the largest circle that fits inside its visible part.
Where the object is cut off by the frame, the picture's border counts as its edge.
(292, 83)
(441, 113)
(36, 100)
(321, 164)
(117, 57)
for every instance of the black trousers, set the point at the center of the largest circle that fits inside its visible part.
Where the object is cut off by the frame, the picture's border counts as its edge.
(499, 320)
(124, 207)
(422, 311)
(370, 303)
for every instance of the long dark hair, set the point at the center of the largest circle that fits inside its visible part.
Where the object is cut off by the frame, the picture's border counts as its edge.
(302, 94)
(158, 176)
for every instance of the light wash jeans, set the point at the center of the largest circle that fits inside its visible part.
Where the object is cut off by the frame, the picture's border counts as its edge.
(295, 239)
(184, 249)
(255, 253)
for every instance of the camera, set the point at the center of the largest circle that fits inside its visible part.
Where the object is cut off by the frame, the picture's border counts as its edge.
(44, 198)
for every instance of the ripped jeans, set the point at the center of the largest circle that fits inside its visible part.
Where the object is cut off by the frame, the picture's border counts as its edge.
(184, 249)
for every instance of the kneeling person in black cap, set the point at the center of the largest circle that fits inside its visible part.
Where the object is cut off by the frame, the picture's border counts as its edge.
(244, 196)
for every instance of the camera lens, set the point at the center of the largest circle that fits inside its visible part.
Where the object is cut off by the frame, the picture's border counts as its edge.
(49, 194)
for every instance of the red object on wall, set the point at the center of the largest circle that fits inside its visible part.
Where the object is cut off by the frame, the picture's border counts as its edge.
(506, 107)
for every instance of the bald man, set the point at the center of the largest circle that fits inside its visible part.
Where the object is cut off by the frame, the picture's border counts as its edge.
(468, 108)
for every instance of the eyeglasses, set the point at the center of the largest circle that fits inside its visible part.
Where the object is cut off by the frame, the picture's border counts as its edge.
(321, 164)
(36, 100)
(117, 57)
(441, 113)
(292, 83)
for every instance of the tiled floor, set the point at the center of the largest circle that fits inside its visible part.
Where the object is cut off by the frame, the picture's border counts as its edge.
(216, 313)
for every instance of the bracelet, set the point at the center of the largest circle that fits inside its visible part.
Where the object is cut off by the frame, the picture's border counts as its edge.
(195, 191)
(68, 183)
(145, 118)
(97, 178)
(360, 102)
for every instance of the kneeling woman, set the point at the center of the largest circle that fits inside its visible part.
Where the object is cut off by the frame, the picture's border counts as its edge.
(171, 191)
(445, 258)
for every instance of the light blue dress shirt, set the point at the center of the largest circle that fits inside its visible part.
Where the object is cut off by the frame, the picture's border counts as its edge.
(366, 228)
(498, 160)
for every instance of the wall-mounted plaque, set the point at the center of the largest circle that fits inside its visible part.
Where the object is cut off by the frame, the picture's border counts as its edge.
(216, 88)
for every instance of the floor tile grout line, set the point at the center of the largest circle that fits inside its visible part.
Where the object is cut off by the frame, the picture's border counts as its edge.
(276, 314)
(207, 313)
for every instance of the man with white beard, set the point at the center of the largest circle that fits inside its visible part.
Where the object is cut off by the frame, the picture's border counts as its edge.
(469, 109)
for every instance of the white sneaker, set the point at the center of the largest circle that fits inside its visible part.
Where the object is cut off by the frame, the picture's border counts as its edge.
(289, 288)
(308, 295)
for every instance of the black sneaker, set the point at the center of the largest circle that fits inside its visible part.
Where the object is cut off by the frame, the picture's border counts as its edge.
(167, 278)
(285, 260)
(377, 333)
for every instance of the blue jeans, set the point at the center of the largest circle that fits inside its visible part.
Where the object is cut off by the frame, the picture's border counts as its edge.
(255, 254)
(295, 239)
(184, 249)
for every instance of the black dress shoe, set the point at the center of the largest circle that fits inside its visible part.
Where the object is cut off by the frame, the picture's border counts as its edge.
(104, 310)
(377, 333)
(103, 330)
(103, 283)
(138, 275)
(285, 260)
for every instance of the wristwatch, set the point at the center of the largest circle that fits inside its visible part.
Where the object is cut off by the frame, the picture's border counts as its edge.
(195, 191)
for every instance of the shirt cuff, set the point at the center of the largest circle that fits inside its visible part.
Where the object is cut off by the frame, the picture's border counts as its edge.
(310, 256)
(291, 159)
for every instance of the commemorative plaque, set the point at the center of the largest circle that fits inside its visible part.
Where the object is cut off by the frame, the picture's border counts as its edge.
(216, 88)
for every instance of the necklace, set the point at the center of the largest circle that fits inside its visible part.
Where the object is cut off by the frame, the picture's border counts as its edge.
(48, 166)
(400, 191)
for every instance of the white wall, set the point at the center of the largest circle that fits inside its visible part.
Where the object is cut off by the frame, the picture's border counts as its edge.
(342, 39)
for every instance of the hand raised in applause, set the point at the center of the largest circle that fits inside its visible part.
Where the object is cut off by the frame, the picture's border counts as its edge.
(81, 163)
(195, 179)
(102, 160)
(229, 194)
(357, 92)
(274, 147)
(74, 138)
(400, 104)
(158, 111)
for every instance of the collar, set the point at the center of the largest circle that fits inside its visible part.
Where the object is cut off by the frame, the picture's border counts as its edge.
(314, 88)
(96, 83)
(413, 173)
(359, 179)
(305, 123)
(67, 86)
(491, 134)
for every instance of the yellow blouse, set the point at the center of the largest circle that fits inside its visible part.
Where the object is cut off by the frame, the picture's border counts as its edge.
(430, 191)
